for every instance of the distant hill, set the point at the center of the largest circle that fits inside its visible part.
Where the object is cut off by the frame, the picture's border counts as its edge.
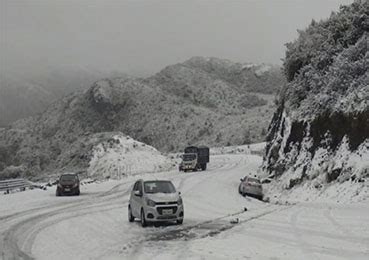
(26, 95)
(186, 103)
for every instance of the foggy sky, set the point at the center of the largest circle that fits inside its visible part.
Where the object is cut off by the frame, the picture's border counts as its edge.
(145, 36)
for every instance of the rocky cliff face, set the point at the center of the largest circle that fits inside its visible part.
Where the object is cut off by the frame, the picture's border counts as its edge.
(182, 104)
(320, 131)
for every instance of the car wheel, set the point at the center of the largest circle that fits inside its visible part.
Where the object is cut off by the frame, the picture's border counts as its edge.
(239, 189)
(143, 220)
(179, 221)
(242, 193)
(57, 193)
(131, 218)
(78, 192)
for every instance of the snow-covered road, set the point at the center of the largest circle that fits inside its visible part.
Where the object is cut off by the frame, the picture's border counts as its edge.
(37, 225)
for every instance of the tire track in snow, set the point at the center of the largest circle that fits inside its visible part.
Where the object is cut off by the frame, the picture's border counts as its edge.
(17, 233)
(208, 228)
(304, 246)
(21, 229)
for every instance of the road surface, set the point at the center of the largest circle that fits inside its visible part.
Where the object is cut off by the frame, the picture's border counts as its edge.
(37, 225)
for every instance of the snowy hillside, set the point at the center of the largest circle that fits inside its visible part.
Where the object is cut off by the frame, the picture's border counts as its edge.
(189, 103)
(319, 134)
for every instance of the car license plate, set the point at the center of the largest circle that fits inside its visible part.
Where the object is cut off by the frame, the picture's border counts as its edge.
(67, 189)
(167, 211)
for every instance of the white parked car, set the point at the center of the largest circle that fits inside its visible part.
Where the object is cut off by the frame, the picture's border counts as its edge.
(251, 186)
(155, 201)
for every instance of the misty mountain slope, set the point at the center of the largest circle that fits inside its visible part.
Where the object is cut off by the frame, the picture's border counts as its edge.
(174, 108)
(320, 131)
(27, 95)
(21, 99)
(261, 78)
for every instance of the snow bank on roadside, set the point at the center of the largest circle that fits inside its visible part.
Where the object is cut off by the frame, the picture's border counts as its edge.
(346, 192)
(257, 148)
(123, 156)
(317, 182)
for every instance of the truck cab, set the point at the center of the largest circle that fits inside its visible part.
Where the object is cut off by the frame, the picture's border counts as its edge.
(194, 158)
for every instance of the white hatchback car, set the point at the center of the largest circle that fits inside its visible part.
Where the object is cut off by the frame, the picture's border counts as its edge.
(155, 201)
(251, 186)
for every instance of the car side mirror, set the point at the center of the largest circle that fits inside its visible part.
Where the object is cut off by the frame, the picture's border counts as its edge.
(138, 193)
(241, 179)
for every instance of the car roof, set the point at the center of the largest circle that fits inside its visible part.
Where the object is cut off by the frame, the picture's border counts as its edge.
(64, 174)
(252, 177)
(156, 180)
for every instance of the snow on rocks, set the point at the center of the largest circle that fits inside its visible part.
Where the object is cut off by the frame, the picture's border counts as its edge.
(339, 177)
(121, 156)
(262, 69)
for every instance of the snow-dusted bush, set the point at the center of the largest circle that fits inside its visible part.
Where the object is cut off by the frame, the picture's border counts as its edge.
(321, 41)
(320, 130)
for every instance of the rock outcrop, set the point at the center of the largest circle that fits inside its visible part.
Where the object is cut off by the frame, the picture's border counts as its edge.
(320, 131)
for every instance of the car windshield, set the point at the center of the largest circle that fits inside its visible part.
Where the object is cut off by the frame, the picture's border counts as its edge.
(69, 177)
(189, 157)
(159, 187)
(250, 179)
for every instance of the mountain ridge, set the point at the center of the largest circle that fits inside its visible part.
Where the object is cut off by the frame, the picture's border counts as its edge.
(179, 105)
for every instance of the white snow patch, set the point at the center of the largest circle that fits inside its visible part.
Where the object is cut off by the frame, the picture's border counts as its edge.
(123, 156)
(352, 184)
(256, 148)
(262, 69)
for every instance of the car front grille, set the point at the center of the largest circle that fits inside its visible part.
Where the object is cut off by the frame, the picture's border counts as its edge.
(160, 209)
(166, 203)
(167, 217)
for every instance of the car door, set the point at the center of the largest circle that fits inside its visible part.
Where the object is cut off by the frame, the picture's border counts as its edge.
(133, 199)
(244, 185)
(139, 198)
(136, 200)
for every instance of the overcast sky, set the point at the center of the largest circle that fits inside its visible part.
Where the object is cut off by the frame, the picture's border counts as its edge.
(145, 36)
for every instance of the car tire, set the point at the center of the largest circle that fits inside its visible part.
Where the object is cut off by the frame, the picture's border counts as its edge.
(78, 192)
(131, 218)
(143, 220)
(179, 221)
(57, 193)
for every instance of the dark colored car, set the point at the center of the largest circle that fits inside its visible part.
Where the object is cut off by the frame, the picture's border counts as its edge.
(68, 184)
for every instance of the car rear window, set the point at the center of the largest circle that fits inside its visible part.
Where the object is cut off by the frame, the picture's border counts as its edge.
(250, 179)
(68, 177)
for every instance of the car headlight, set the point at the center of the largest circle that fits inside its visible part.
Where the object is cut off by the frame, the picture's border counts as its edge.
(150, 203)
(180, 201)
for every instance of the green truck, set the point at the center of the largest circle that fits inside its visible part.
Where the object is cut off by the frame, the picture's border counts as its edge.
(194, 158)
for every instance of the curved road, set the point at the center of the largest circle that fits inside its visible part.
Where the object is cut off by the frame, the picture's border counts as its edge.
(38, 225)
